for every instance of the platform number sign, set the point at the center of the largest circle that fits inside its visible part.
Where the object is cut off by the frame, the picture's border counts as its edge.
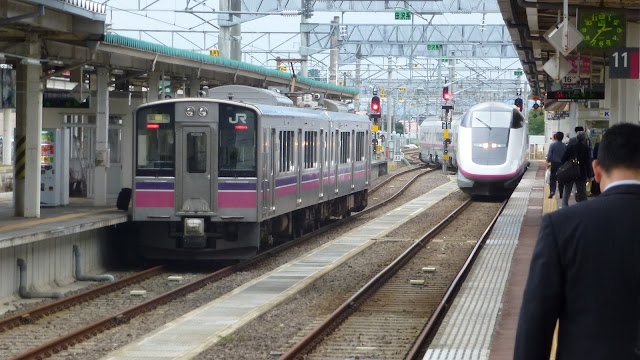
(624, 63)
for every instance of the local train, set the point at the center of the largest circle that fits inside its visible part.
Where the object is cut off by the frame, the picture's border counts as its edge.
(489, 147)
(216, 178)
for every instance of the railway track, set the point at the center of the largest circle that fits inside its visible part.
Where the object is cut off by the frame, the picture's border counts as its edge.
(64, 333)
(394, 314)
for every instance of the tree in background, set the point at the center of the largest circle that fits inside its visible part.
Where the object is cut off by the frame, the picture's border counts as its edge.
(536, 122)
(399, 128)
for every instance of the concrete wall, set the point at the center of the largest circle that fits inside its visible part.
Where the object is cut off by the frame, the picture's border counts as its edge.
(50, 263)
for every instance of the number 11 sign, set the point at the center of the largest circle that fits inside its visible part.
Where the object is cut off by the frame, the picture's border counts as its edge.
(624, 63)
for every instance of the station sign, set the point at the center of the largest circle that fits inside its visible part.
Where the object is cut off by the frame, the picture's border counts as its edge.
(402, 14)
(62, 99)
(624, 63)
(576, 94)
(433, 46)
(518, 73)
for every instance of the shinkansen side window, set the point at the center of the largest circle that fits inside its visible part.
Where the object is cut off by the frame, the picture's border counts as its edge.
(238, 138)
(197, 152)
(360, 146)
(518, 120)
(345, 146)
(286, 151)
(310, 149)
(155, 141)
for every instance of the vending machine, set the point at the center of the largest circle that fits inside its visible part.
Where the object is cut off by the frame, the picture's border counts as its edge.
(53, 177)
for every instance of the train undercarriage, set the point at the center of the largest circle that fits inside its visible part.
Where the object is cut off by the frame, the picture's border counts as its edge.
(236, 240)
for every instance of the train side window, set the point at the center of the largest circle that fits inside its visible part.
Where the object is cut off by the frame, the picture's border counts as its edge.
(286, 151)
(345, 146)
(310, 149)
(360, 146)
(197, 152)
(518, 120)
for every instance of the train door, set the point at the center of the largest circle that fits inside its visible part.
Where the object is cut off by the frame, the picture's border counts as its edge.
(352, 158)
(266, 172)
(367, 157)
(323, 156)
(298, 162)
(272, 173)
(195, 169)
(336, 158)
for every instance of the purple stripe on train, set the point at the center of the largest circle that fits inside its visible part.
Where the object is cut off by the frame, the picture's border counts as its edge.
(286, 181)
(154, 186)
(237, 186)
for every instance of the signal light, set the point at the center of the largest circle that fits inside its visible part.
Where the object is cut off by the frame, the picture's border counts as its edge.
(445, 93)
(375, 108)
(153, 126)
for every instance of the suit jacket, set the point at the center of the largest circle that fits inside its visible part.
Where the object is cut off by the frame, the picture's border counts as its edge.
(585, 271)
(581, 152)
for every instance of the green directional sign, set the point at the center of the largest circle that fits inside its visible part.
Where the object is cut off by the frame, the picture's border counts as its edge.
(517, 73)
(402, 14)
(433, 46)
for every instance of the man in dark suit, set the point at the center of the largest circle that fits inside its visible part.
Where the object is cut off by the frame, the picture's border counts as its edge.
(585, 269)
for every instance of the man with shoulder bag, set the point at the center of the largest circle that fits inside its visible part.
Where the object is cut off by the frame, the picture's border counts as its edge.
(578, 152)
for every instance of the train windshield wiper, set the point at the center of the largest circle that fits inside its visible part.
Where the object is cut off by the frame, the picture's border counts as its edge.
(484, 123)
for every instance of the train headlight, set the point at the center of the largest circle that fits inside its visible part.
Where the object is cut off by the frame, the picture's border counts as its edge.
(190, 111)
(203, 111)
(485, 145)
(494, 145)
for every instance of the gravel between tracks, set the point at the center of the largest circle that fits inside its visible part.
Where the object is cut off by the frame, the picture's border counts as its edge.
(260, 333)
(277, 330)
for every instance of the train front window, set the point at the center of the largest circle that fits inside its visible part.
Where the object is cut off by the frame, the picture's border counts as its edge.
(155, 153)
(237, 139)
(197, 152)
(491, 119)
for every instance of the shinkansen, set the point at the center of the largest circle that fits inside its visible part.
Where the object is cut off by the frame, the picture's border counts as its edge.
(490, 148)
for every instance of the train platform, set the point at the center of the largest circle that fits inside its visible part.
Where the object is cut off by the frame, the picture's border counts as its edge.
(80, 215)
(482, 321)
(44, 255)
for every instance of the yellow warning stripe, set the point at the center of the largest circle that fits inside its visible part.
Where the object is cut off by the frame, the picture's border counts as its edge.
(54, 219)
(21, 151)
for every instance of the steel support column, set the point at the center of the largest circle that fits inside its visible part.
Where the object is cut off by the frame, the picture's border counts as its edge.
(152, 92)
(28, 128)
(8, 135)
(194, 87)
(334, 52)
(102, 142)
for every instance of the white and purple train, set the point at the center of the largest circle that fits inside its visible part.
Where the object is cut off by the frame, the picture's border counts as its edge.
(215, 179)
(489, 147)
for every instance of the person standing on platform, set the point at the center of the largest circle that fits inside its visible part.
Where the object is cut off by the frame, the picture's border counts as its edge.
(585, 271)
(578, 150)
(554, 160)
